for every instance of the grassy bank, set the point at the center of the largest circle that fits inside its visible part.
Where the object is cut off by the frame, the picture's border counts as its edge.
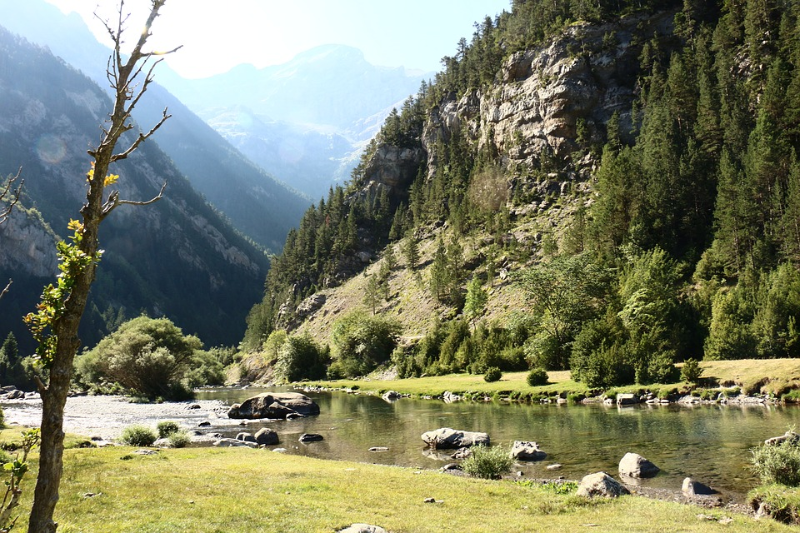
(231, 490)
(774, 376)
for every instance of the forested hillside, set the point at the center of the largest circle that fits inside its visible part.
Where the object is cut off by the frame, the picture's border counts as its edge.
(632, 167)
(178, 258)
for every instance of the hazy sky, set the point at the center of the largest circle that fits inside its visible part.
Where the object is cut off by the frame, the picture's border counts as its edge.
(415, 34)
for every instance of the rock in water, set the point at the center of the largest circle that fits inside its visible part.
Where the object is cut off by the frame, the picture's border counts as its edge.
(452, 438)
(601, 484)
(266, 437)
(527, 451)
(634, 465)
(311, 437)
(274, 405)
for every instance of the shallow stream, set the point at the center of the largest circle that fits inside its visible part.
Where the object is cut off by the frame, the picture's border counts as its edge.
(710, 443)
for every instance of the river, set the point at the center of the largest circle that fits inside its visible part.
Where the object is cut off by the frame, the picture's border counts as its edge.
(708, 442)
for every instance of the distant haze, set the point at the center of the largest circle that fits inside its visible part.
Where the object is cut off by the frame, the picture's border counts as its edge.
(414, 34)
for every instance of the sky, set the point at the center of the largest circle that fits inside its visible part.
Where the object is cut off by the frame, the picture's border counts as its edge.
(414, 34)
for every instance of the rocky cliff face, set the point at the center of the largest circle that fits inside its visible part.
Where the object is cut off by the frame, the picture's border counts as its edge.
(28, 244)
(539, 97)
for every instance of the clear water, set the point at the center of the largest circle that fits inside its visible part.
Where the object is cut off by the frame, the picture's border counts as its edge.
(710, 443)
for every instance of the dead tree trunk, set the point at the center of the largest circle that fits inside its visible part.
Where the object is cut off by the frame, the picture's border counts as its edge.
(124, 77)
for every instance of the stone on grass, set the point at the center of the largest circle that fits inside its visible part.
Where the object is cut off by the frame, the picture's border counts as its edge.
(274, 405)
(602, 485)
(527, 451)
(695, 488)
(636, 466)
(362, 528)
(452, 438)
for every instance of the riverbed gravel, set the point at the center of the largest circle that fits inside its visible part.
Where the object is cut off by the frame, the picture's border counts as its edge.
(104, 417)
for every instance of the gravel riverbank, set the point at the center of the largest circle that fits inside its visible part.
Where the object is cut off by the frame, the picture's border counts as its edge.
(106, 416)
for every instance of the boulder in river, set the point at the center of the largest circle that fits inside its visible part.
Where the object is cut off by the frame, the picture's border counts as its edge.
(266, 437)
(790, 436)
(274, 405)
(527, 451)
(310, 437)
(636, 466)
(453, 438)
(601, 484)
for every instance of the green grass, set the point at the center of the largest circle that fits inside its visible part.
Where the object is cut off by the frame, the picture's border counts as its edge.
(779, 501)
(210, 490)
(775, 374)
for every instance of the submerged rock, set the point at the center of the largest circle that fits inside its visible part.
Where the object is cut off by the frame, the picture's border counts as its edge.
(274, 405)
(453, 438)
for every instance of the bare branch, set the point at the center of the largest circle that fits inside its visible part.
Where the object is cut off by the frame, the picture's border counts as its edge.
(114, 201)
(5, 211)
(4, 291)
(142, 137)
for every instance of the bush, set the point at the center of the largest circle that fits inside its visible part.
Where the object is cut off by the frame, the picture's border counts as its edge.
(138, 435)
(146, 356)
(537, 377)
(492, 374)
(166, 428)
(691, 371)
(487, 463)
(179, 439)
(361, 342)
(778, 464)
(301, 358)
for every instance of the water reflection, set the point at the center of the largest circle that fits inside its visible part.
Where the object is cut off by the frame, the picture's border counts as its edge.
(710, 443)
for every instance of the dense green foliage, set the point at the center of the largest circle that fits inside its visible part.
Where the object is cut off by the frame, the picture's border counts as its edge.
(360, 343)
(690, 246)
(778, 464)
(152, 358)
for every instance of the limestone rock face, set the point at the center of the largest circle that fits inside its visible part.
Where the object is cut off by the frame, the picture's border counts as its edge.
(28, 245)
(274, 405)
(601, 485)
(452, 438)
(636, 466)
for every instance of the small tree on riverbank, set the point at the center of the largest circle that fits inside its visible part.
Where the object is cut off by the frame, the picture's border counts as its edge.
(55, 323)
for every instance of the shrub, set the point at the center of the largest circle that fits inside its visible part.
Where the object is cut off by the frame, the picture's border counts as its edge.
(492, 374)
(301, 358)
(361, 342)
(166, 428)
(691, 371)
(179, 439)
(138, 435)
(537, 377)
(778, 464)
(487, 462)
(147, 356)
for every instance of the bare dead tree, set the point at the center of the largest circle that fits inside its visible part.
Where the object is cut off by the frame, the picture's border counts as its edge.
(129, 80)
